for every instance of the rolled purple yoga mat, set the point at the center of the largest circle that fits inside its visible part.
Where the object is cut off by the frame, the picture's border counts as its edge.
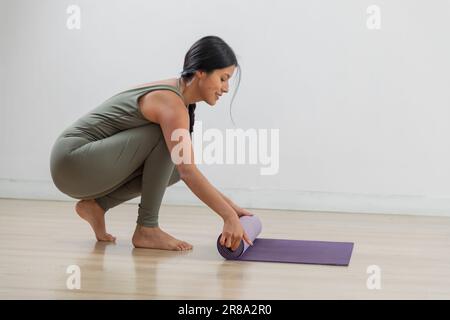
(281, 250)
(252, 226)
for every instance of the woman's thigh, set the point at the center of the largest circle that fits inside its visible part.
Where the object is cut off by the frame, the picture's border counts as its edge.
(86, 169)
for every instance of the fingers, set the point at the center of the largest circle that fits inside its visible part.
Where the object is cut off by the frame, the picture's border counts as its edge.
(246, 212)
(228, 242)
(225, 240)
(236, 243)
(247, 239)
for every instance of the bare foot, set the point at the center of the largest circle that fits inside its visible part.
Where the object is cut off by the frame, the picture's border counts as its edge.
(90, 211)
(155, 238)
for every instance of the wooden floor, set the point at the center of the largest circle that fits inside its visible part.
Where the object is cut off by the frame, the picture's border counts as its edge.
(39, 240)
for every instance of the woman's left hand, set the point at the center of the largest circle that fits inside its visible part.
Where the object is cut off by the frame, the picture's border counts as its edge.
(242, 212)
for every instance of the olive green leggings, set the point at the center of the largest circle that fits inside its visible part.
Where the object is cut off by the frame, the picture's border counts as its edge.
(131, 163)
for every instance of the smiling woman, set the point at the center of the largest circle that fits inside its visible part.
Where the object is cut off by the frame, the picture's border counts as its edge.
(213, 62)
(122, 149)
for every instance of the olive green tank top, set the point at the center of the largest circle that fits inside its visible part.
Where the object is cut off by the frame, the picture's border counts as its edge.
(118, 113)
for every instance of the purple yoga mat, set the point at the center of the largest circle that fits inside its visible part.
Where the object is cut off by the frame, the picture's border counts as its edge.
(281, 250)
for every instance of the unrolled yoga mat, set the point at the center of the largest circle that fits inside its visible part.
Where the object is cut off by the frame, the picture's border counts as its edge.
(279, 250)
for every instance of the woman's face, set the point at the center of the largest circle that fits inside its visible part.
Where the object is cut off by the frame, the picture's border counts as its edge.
(212, 86)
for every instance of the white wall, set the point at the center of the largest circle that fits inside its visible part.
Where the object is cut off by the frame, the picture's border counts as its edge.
(363, 114)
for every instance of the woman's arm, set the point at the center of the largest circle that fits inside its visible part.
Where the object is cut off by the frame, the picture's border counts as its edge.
(171, 114)
(228, 200)
(168, 110)
(239, 211)
(206, 192)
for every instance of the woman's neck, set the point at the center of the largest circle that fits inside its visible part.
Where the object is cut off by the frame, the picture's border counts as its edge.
(188, 91)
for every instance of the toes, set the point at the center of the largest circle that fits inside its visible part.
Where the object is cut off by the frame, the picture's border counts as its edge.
(185, 245)
(106, 237)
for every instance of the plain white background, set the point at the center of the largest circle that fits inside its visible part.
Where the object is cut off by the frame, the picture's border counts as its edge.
(363, 114)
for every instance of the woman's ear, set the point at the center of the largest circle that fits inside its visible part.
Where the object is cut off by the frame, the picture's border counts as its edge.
(200, 74)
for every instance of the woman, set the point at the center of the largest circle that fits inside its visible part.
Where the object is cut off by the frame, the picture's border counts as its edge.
(122, 149)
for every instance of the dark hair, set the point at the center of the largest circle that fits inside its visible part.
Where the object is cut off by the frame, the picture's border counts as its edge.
(207, 54)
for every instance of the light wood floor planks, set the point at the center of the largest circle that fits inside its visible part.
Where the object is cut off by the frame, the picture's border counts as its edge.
(40, 239)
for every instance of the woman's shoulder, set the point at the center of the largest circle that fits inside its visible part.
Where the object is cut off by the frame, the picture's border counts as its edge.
(167, 95)
(171, 82)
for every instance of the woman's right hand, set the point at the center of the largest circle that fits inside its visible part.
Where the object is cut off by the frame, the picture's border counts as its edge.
(233, 233)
